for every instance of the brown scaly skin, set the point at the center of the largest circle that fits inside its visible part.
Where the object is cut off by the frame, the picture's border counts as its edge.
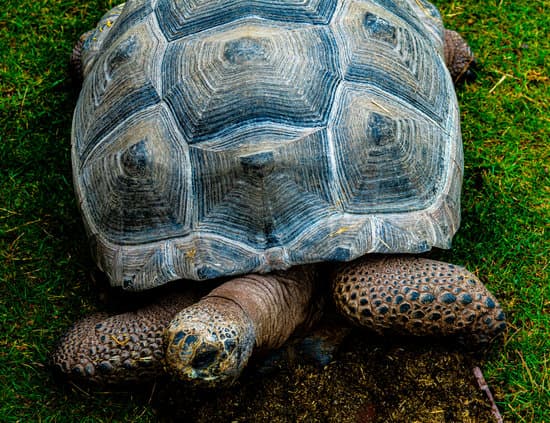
(75, 62)
(417, 296)
(208, 342)
(122, 348)
(458, 57)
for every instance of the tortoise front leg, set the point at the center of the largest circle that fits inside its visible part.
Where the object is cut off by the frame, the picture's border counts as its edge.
(417, 296)
(208, 342)
(126, 347)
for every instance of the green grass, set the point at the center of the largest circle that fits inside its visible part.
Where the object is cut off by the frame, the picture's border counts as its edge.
(44, 259)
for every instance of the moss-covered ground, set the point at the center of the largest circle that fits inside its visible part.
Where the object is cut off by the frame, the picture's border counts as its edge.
(44, 260)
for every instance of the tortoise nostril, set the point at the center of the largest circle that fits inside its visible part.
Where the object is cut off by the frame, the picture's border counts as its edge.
(77, 370)
(205, 357)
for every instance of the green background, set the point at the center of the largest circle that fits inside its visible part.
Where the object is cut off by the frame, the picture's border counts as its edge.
(44, 260)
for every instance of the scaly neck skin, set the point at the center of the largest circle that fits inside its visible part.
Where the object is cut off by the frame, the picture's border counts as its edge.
(276, 304)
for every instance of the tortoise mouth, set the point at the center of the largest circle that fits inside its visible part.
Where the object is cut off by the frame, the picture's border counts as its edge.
(205, 358)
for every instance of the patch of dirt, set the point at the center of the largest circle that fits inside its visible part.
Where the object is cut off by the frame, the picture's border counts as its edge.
(372, 379)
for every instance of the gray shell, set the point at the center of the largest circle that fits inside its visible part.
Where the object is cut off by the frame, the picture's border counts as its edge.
(215, 138)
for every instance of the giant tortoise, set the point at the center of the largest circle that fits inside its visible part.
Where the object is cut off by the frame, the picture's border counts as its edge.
(268, 145)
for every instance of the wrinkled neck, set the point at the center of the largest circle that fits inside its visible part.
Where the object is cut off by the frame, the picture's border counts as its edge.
(275, 303)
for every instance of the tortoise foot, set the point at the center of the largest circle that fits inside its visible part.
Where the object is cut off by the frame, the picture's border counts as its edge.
(123, 348)
(458, 57)
(417, 296)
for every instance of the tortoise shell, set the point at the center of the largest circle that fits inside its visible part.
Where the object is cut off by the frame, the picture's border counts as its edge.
(214, 138)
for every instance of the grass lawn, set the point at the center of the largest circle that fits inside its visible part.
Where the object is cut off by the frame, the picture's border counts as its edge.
(44, 260)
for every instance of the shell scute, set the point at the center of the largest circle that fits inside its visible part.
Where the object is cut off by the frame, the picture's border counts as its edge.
(122, 81)
(136, 186)
(218, 81)
(390, 157)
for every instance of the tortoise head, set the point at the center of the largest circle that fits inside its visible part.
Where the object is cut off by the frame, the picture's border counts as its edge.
(208, 344)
